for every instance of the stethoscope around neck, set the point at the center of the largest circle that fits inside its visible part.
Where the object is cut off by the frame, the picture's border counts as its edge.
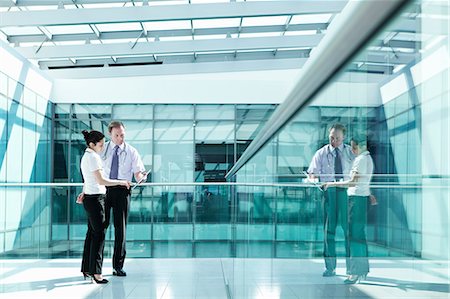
(122, 155)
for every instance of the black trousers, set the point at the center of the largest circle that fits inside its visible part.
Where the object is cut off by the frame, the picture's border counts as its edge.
(118, 199)
(95, 237)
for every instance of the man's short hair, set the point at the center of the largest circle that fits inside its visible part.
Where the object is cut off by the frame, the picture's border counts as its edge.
(115, 124)
(338, 126)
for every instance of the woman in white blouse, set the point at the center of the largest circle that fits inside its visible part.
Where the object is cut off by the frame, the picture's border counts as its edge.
(358, 197)
(94, 203)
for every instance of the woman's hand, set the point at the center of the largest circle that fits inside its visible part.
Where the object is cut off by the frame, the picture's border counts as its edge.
(80, 198)
(125, 184)
(325, 186)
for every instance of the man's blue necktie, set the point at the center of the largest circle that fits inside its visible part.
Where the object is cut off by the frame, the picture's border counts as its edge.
(337, 166)
(115, 164)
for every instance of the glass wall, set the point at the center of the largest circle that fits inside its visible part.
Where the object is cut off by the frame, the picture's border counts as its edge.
(400, 101)
(25, 157)
(178, 144)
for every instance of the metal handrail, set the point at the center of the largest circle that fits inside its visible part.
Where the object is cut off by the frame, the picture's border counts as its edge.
(376, 185)
(346, 36)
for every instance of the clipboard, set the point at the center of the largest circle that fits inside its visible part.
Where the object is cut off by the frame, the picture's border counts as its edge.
(140, 181)
(317, 184)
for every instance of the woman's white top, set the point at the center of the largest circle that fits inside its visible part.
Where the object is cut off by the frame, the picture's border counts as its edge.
(91, 162)
(363, 166)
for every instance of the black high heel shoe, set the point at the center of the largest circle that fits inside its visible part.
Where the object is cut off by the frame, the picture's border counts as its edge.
(97, 281)
(86, 275)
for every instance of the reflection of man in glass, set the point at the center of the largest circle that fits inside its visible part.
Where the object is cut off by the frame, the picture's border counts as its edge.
(329, 164)
(120, 161)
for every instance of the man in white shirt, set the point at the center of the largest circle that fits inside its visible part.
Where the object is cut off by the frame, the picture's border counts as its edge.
(120, 161)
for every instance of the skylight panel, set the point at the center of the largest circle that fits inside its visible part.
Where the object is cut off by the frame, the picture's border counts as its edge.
(210, 36)
(255, 51)
(409, 36)
(118, 40)
(21, 30)
(41, 7)
(310, 19)
(167, 25)
(264, 21)
(259, 34)
(32, 44)
(216, 23)
(118, 27)
(175, 2)
(208, 1)
(69, 29)
(102, 5)
(3, 36)
(70, 43)
(302, 32)
(175, 38)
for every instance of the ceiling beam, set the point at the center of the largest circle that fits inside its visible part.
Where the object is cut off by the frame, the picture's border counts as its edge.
(163, 33)
(7, 3)
(167, 13)
(369, 57)
(157, 48)
(177, 69)
(178, 59)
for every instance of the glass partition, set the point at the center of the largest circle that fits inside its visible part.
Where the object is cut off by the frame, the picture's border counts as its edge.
(400, 102)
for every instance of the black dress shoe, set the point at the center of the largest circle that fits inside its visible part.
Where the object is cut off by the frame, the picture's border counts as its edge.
(328, 273)
(119, 272)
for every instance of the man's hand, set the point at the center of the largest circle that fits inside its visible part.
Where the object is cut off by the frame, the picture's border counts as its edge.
(373, 200)
(143, 176)
(80, 198)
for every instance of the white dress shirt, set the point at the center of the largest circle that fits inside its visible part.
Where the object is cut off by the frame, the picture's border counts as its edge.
(91, 162)
(363, 166)
(130, 161)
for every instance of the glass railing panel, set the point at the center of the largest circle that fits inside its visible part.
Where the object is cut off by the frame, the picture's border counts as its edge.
(219, 220)
(213, 229)
(172, 230)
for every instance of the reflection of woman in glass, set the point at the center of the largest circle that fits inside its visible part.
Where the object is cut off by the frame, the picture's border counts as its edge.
(358, 196)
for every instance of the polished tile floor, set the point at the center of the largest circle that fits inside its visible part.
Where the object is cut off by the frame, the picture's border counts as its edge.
(223, 278)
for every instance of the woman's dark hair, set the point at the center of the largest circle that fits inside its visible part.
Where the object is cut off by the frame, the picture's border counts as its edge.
(92, 136)
(360, 139)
